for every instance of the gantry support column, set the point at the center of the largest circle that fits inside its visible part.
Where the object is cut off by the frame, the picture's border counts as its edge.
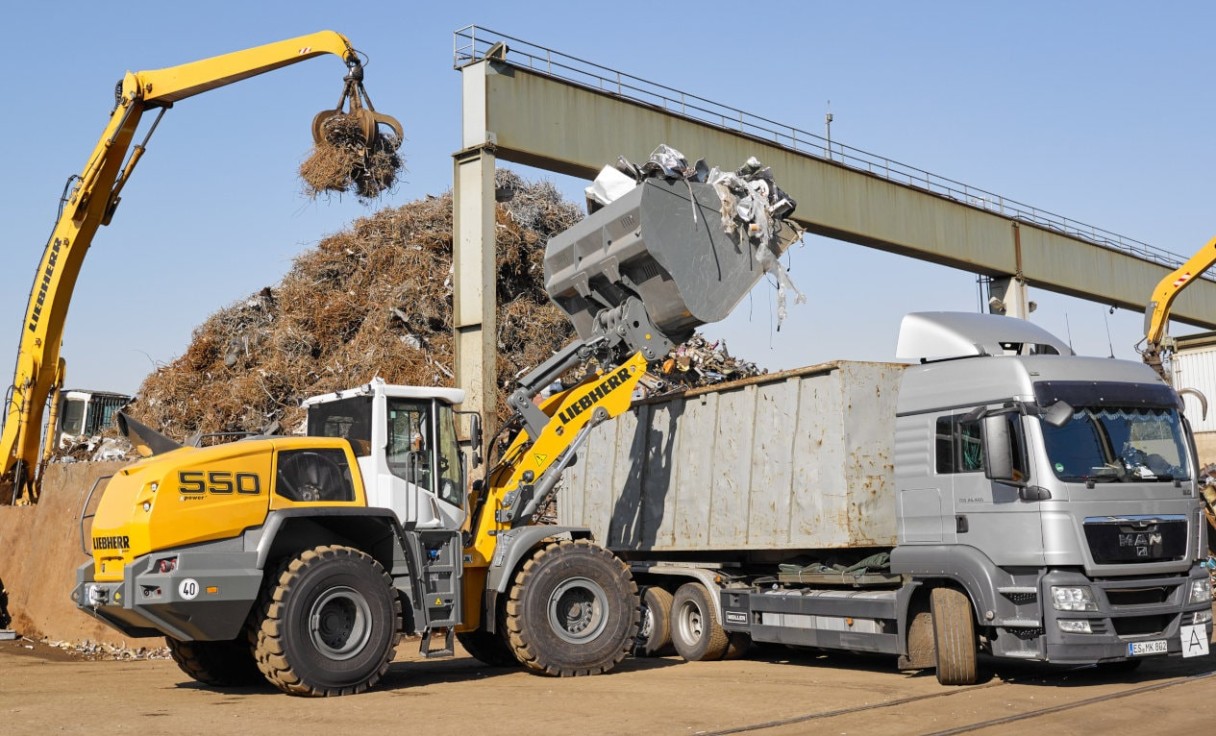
(473, 253)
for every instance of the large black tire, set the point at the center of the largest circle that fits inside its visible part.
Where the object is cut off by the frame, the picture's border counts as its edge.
(572, 610)
(217, 663)
(954, 637)
(654, 630)
(491, 649)
(331, 624)
(695, 630)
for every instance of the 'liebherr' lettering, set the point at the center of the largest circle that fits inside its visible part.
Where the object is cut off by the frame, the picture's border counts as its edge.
(45, 286)
(602, 389)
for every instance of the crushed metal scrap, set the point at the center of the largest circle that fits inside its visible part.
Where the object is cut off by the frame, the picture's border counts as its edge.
(754, 209)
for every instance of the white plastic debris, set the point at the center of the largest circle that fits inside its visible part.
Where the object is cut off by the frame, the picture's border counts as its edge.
(609, 185)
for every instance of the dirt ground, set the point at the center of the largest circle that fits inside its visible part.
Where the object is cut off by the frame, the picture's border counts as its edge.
(776, 693)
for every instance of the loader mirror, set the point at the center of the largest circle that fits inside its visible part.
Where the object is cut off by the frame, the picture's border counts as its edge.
(474, 435)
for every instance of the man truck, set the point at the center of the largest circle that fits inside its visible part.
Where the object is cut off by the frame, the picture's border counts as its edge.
(999, 494)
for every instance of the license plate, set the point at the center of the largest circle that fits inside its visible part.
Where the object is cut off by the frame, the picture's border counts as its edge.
(1141, 648)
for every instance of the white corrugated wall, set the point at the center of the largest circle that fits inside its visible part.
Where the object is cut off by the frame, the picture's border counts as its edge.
(1196, 368)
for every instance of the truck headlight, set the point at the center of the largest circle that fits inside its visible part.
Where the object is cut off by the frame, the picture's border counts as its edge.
(1202, 617)
(1070, 598)
(1074, 626)
(1201, 591)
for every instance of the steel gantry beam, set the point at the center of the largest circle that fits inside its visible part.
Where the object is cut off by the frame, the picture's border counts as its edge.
(539, 120)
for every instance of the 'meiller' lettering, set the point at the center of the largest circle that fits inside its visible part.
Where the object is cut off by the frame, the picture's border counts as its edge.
(45, 286)
(602, 389)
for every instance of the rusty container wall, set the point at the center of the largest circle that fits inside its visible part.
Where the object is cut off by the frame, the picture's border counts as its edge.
(794, 460)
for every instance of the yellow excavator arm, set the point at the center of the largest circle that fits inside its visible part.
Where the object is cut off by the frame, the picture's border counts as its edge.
(1157, 313)
(89, 202)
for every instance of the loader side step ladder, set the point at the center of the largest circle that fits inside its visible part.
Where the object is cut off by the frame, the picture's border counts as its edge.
(424, 648)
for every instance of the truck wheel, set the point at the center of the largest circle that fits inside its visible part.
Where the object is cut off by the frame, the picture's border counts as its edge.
(954, 637)
(654, 632)
(695, 630)
(491, 649)
(217, 663)
(572, 610)
(331, 625)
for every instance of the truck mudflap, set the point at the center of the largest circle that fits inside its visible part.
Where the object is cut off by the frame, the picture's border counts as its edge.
(1135, 618)
(189, 595)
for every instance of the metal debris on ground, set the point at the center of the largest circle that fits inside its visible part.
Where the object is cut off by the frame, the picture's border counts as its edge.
(102, 651)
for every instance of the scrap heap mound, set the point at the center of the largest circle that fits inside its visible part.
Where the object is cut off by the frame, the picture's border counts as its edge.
(376, 300)
(372, 300)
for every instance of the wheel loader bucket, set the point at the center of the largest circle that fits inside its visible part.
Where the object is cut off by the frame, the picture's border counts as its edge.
(663, 242)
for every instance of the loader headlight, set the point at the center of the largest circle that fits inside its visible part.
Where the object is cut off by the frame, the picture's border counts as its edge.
(1201, 591)
(1073, 598)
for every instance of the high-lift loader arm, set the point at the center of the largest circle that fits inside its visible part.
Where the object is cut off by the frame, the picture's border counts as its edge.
(89, 202)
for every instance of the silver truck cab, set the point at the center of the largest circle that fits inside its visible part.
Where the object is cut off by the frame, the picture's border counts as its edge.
(1059, 490)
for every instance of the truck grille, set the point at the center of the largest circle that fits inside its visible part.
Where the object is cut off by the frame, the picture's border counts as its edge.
(1138, 596)
(1140, 625)
(1136, 539)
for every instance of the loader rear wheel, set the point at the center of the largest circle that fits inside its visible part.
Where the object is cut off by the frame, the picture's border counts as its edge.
(331, 624)
(572, 610)
(695, 630)
(654, 632)
(954, 637)
(217, 663)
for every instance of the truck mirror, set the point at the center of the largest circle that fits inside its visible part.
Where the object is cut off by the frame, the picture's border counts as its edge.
(998, 448)
(1058, 414)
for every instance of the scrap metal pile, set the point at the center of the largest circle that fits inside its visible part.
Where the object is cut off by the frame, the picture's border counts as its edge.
(375, 299)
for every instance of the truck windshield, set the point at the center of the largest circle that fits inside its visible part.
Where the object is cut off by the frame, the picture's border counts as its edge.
(1118, 444)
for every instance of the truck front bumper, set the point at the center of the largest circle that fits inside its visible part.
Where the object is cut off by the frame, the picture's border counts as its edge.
(1135, 618)
(203, 594)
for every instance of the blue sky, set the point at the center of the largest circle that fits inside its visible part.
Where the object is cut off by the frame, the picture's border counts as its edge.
(1099, 111)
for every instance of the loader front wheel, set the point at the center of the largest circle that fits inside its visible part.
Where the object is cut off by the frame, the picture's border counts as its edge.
(331, 624)
(572, 610)
(217, 663)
